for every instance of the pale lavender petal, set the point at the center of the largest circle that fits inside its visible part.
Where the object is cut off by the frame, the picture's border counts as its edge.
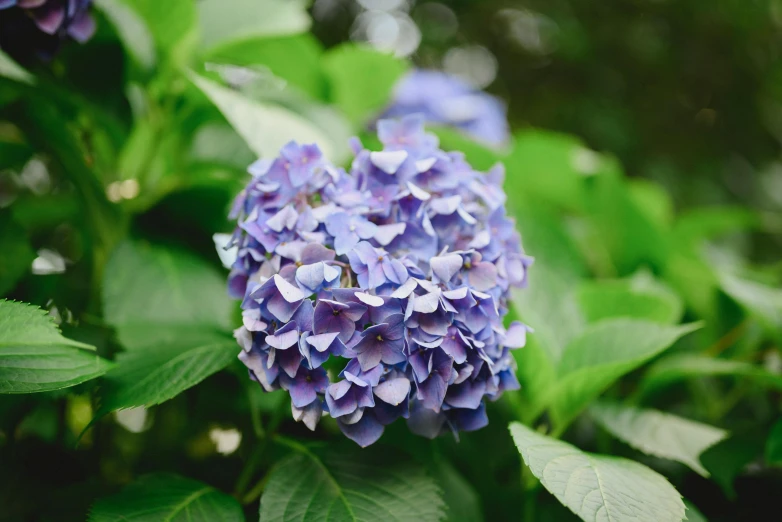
(393, 391)
(388, 162)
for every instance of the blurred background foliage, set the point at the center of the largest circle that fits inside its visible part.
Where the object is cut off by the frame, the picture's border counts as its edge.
(644, 171)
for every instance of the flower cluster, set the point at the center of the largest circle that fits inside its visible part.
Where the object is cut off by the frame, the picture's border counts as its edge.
(30, 27)
(378, 293)
(445, 99)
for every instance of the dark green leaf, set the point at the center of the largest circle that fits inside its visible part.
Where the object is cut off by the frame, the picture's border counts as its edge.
(132, 31)
(154, 374)
(597, 487)
(367, 487)
(16, 253)
(461, 500)
(727, 459)
(153, 498)
(774, 445)
(35, 357)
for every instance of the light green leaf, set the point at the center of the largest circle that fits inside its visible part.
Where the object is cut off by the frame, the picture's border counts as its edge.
(550, 167)
(35, 357)
(686, 366)
(224, 21)
(652, 200)
(132, 31)
(660, 434)
(696, 225)
(693, 515)
(627, 298)
(762, 301)
(361, 79)
(155, 374)
(170, 22)
(171, 498)
(365, 487)
(480, 156)
(265, 127)
(602, 354)
(774, 445)
(10, 69)
(548, 305)
(597, 487)
(156, 290)
(294, 59)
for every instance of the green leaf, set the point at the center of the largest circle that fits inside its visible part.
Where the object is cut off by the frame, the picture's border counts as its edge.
(167, 497)
(25, 324)
(170, 22)
(602, 354)
(693, 515)
(629, 298)
(686, 366)
(597, 487)
(16, 255)
(367, 487)
(762, 301)
(728, 458)
(461, 499)
(35, 357)
(361, 79)
(10, 69)
(157, 290)
(154, 374)
(294, 59)
(660, 434)
(774, 445)
(132, 31)
(480, 157)
(697, 225)
(265, 127)
(224, 21)
(544, 166)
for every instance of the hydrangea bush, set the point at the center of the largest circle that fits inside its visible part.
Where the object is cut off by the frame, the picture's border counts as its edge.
(378, 293)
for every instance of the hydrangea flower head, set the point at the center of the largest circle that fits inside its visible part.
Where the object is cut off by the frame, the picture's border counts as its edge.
(379, 292)
(30, 27)
(446, 99)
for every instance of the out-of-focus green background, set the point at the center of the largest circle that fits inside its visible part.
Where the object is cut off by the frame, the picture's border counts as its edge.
(687, 93)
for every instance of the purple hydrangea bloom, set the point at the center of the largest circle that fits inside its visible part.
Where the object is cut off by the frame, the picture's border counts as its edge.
(36, 27)
(397, 271)
(446, 99)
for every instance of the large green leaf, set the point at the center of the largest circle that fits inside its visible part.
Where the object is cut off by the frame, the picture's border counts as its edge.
(265, 127)
(361, 79)
(462, 501)
(545, 166)
(602, 354)
(157, 291)
(154, 374)
(35, 357)
(15, 255)
(294, 59)
(687, 366)
(224, 21)
(597, 487)
(365, 487)
(629, 298)
(659, 434)
(171, 498)
(170, 22)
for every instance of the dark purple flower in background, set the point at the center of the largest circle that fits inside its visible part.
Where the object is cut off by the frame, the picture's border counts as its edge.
(448, 100)
(394, 275)
(31, 28)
